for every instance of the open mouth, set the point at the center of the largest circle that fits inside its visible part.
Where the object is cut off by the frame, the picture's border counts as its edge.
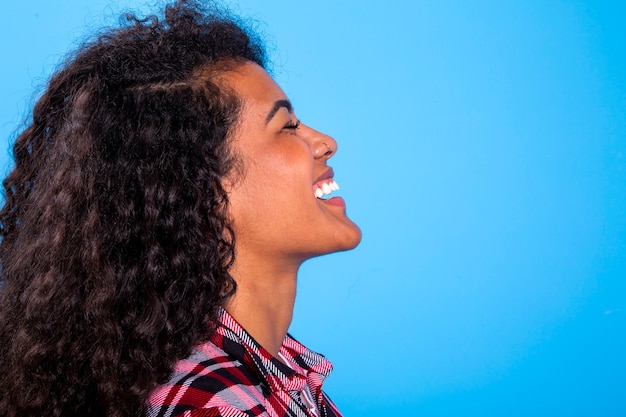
(322, 189)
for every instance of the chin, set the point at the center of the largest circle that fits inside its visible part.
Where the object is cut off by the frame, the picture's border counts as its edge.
(351, 240)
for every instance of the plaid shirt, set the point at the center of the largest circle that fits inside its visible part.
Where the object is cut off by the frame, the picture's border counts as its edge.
(231, 375)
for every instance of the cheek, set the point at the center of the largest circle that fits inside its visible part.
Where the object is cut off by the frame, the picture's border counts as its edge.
(288, 167)
(254, 194)
(275, 179)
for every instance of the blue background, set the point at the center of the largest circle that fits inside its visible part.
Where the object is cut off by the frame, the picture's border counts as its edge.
(483, 153)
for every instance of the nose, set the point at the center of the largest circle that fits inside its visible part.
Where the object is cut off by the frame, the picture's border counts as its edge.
(322, 145)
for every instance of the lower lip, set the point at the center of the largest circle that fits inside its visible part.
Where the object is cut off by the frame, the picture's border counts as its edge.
(336, 201)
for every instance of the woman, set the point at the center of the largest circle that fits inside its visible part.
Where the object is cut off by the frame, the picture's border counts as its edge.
(162, 200)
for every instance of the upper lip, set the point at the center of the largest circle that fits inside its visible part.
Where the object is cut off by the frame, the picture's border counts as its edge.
(329, 173)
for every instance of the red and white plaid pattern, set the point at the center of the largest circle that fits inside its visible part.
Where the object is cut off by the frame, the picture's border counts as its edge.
(231, 375)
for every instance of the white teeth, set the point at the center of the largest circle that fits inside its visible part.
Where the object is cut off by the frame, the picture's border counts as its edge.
(326, 189)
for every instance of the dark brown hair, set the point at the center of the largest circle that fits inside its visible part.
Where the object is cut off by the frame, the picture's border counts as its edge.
(115, 244)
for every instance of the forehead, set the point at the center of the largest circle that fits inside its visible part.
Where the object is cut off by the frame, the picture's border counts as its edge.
(253, 85)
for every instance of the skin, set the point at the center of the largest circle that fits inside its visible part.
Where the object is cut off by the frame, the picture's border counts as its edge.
(278, 221)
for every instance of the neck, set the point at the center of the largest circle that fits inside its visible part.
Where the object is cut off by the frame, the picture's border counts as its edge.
(264, 300)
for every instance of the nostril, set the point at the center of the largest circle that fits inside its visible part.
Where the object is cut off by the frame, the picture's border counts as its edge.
(322, 149)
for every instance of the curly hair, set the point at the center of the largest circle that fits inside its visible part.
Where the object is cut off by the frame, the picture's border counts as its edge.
(115, 241)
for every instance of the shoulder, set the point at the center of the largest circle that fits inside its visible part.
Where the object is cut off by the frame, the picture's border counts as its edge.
(209, 383)
(225, 411)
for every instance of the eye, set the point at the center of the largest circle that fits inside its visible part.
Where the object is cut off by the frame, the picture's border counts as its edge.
(292, 126)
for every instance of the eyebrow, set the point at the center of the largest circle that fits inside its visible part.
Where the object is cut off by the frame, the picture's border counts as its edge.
(279, 104)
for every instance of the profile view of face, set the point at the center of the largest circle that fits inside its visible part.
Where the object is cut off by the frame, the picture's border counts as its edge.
(281, 202)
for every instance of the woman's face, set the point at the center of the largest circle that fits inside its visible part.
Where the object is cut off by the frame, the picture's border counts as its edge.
(273, 204)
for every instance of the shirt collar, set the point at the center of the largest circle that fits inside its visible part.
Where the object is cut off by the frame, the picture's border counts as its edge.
(304, 364)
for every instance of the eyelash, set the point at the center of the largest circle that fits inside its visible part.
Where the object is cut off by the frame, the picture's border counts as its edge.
(293, 126)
